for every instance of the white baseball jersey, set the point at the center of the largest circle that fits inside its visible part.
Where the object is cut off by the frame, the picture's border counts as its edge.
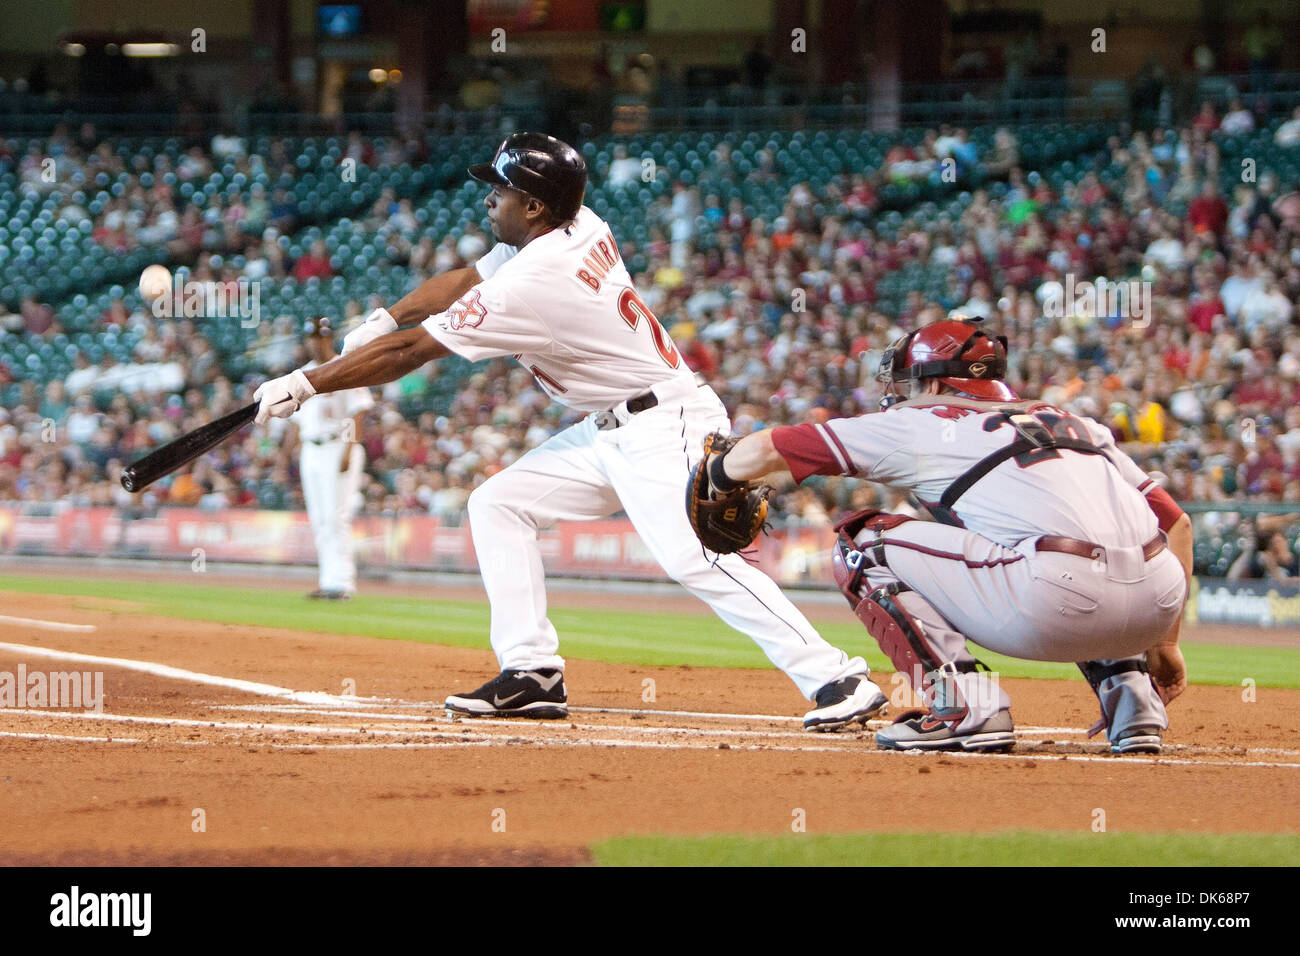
(926, 444)
(565, 307)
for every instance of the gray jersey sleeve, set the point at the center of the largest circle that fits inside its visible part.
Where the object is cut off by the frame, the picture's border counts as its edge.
(1101, 436)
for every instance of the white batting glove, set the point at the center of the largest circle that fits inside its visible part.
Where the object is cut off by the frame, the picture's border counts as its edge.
(281, 397)
(377, 323)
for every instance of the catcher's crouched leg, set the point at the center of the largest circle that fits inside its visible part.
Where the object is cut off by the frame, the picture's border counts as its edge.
(901, 636)
(1132, 713)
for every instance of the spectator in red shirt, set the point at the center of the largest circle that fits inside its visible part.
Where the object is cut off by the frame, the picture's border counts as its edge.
(315, 263)
(1208, 212)
(1259, 391)
(37, 318)
(1205, 306)
(1207, 121)
(1091, 190)
(700, 356)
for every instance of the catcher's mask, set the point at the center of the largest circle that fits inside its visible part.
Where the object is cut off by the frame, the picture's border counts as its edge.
(956, 351)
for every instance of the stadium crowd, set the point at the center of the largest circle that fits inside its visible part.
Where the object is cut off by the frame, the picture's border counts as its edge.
(783, 317)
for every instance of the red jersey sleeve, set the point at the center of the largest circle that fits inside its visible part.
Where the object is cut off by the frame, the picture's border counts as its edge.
(811, 450)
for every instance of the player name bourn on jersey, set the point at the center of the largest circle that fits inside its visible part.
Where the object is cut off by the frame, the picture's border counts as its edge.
(600, 258)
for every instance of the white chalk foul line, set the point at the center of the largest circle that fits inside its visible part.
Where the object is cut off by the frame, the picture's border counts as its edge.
(370, 711)
(47, 625)
(178, 673)
(467, 736)
(500, 740)
(555, 726)
(365, 707)
(449, 740)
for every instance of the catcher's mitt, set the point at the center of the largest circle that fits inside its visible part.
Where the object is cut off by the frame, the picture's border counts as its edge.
(724, 521)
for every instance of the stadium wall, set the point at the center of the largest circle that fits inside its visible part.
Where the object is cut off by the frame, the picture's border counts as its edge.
(611, 549)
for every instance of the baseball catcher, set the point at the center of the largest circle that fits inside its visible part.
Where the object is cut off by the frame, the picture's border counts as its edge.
(1049, 543)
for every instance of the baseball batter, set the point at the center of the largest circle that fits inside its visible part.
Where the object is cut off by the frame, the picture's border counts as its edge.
(331, 462)
(1050, 543)
(554, 294)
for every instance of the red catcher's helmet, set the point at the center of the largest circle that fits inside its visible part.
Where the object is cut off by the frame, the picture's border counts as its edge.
(955, 351)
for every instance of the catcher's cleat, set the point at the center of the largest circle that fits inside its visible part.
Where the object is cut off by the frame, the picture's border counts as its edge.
(536, 694)
(842, 703)
(1138, 740)
(922, 731)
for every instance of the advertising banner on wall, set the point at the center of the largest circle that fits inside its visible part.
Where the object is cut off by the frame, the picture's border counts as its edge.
(1256, 603)
(610, 548)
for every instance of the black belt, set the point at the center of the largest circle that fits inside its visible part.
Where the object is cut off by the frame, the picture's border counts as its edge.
(642, 402)
(639, 403)
(323, 441)
(608, 419)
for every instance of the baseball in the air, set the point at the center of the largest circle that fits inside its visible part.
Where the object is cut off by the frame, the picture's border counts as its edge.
(155, 281)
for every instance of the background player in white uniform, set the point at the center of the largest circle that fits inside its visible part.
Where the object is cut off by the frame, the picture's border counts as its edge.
(1055, 550)
(331, 463)
(554, 294)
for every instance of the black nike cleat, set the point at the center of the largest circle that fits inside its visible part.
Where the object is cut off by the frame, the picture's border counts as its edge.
(843, 703)
(539, 695)
(922, 731)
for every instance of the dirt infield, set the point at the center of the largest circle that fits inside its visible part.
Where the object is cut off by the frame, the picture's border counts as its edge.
(301, 767)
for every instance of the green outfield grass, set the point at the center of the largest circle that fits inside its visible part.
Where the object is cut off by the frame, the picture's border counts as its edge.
(1010, 848)
(646, 638)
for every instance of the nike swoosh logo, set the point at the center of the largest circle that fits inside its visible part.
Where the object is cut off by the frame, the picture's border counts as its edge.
(931, 724)
(547, 682)
(502, 701)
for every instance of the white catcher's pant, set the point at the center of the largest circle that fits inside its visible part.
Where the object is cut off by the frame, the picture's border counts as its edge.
(332, 501)
(1040, 607)
(641, 467)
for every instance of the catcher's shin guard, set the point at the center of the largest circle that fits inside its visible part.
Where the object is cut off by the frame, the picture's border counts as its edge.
(900, 635)
(902, 638)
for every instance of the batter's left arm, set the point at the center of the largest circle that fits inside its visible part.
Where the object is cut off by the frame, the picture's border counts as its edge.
(386, 359)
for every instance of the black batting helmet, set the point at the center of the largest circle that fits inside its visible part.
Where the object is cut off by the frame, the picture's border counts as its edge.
(541, 166)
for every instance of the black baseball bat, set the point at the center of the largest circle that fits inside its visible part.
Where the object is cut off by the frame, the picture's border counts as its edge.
(165, 460)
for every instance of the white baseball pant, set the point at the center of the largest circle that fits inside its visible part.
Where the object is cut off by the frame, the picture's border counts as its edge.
(331, 499)
(1036, 606)
(641, 466)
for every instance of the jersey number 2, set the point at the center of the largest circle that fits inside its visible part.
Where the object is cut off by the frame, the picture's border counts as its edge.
(1060, 426)
(633, 311)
